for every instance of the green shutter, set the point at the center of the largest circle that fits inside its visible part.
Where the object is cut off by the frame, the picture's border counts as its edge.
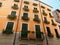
(24, 32)
(10, 25)
(9, 28)
(37, 27)
(25, 27)
(38, 34)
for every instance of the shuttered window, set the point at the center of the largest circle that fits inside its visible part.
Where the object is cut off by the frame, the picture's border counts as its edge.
(10, 25)
(48, 31)
(57, 34)
(13, 13)
(25, 14)
(38, 32)
(24, 26)
(24, 33)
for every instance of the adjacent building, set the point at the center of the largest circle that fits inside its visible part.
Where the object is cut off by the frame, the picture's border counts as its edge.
(27, 22)
(57, 15)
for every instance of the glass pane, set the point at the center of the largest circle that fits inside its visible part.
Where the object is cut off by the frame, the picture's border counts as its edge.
(13, 13)
(25, 14)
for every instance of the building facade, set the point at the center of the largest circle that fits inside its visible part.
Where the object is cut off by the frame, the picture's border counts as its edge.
(57, 15)
(27, 22)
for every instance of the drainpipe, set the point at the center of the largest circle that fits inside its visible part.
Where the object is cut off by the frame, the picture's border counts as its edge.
(43, 24)
(14, 40)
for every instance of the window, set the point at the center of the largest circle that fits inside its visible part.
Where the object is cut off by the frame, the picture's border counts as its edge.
(53, 23)
(12, 16)
(50, 15)
(35, 10)
(46, 21)
(44, 13)
(48, 9)
(9, 28)
(57, 35)
(15, 6)
(36, 18)
(45, 18)
(10, 25)
(0, 4)
(26, 2)
(13, 13)
(39, 34)
(24, 27)
(34, 4)
(26, 8)
(24, 31)
(16, 0)
(43, 7)
(25, 16)
(49, 32)
(37, 27)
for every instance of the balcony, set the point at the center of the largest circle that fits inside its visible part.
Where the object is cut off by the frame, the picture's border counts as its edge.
(9, 28)
(26, 8)
(48, 9)
(0, 4)
(25, 18)
(44, 14)
(43, 7)
(36, 19)
(50, 15)
(34, 4)
(35, 10)
(15, 6)
(26, 2)
(40, 36)
(54, 24)
(12, 16)
(7, 31)
(16, 0)
(47, 22)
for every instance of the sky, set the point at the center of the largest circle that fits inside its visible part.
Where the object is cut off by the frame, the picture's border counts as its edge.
(54, 3)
